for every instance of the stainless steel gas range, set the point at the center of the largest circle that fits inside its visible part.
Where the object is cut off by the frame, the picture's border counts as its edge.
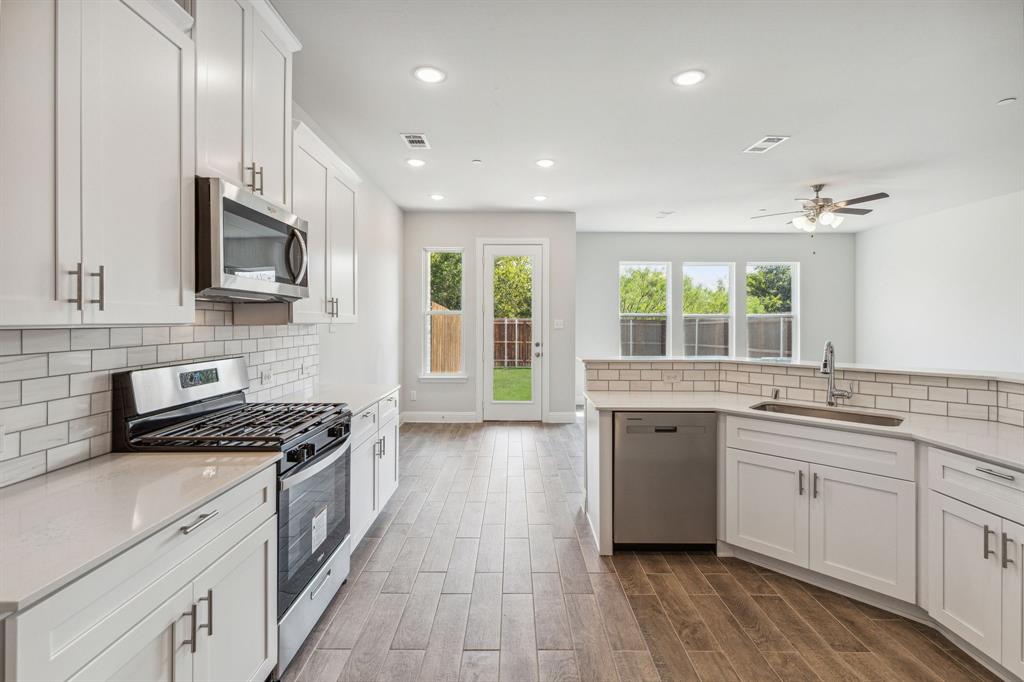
(202, 407)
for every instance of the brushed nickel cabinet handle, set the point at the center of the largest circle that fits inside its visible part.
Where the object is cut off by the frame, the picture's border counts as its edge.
(77, 300)
(259, 173)
(209, 612)
(203, 518)
(997, 474)
(192, 613)
(252, 169)
(801, 482)
(986, 551)
(814, 486)
(1006, 555)
(102, 274)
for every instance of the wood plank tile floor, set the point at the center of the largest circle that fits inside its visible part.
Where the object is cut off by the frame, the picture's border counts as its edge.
(482, 567)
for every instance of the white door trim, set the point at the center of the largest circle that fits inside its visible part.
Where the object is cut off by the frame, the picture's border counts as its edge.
(545, 244)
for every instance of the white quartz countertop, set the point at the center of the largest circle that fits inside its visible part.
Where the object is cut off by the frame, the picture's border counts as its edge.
(356, 396)
(997, 443)
(57, 527)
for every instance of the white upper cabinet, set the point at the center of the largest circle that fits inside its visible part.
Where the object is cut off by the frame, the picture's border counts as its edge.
(244, 95)
(323, 195)
(96, 183)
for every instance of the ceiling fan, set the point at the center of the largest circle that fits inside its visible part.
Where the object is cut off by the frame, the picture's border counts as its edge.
(823, 211)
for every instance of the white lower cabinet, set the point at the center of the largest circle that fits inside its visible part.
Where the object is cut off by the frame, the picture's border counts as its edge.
(374, 463)
(863, 530)
(766, 500)
(195, 601)
(976, 579)
(854, 526)
(155, 649)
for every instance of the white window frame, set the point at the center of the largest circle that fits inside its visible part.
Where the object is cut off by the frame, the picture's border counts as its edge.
(795, 270)
(426, 313)
(732, 304)
(668, 302)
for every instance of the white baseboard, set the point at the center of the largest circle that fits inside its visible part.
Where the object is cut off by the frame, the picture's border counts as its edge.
(440, 417)
(560, 417)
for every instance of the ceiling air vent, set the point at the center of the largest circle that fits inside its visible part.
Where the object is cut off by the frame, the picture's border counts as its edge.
(765, 143)
(415, 141)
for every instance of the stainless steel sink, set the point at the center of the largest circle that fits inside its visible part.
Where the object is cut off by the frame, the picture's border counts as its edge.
(840, 414)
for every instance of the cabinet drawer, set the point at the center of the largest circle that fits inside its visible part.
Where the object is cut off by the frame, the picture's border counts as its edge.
(993, 488)
(364, 425)
(57, 636)
(388, 407)
(859, 452)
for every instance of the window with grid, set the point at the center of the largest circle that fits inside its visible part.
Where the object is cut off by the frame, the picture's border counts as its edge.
(442, 312)
(643, 308)
(707, 309)
(771, 309)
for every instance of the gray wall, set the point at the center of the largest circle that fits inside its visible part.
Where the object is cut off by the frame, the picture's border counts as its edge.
(462, 229)
(945, 290)
(826, 283)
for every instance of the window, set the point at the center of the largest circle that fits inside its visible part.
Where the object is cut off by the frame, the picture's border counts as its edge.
(772, 297)
(707, 308)
(643, 308)
(442, 312)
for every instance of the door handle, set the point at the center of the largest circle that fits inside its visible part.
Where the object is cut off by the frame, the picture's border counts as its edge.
(203, 518)
(537, 354)
(260, 174)
(252, 169)
(192, 613)
(77, 300)
(800, 484)
(209, 612)
(102, 274)
(814, 486)
(997, 474)
(986, 551)
(1006, 555)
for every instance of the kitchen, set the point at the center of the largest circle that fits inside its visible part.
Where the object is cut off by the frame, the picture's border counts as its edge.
(437, 340)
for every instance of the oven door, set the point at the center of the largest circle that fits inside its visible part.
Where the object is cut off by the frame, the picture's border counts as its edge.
(249, 248)
(313, 520)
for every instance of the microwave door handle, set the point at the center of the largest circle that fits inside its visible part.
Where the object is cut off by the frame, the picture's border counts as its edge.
(305, 255)
(288, 254)
(315, 468)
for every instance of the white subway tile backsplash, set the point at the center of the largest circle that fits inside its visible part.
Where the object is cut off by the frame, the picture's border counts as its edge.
(948, 395)
(928, 407)
(918, 392)
(88, 339)
(55, 387)
(19, 367)
(41, 390)
(46, 340)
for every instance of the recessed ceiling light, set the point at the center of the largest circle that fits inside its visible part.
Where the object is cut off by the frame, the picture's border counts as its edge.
(437, 197)
(691, 77)
(540, 197)
(545, 163)
(416, 163)
(1005, 101)
(429, 74)
(477, 162)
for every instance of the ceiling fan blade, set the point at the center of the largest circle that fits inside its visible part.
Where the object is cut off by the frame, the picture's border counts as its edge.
(852, 211)
(769, 215)
(861, 200)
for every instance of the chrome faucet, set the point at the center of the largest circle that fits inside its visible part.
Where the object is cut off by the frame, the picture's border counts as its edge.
(828, 368)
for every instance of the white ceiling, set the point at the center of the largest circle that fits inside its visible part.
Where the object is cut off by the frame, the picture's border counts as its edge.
(876, 96)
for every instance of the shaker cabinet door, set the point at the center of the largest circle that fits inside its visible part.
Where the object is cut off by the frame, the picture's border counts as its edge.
(341, 221)
(388, 462)
(310, 178)
(1011, 554)
(271, 112)
(223, 52)
(964, 574)
(364, 488)
(236, 598)
(157, 649)
(137, 165)
(40, 244)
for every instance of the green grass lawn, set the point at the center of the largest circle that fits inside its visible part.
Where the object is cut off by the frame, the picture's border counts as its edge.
(512, 383)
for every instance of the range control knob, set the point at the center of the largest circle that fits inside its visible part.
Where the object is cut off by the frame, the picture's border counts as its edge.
(307, 450)
(337, 431)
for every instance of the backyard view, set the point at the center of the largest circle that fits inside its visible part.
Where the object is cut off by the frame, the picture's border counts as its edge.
(513, 328)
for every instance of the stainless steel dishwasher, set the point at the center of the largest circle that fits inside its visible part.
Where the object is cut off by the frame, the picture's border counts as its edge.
(664, 482)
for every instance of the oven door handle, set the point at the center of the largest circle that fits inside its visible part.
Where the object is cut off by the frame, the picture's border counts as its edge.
(313, 469)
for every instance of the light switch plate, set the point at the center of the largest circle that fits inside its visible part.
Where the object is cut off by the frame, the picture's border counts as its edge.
(559, 324)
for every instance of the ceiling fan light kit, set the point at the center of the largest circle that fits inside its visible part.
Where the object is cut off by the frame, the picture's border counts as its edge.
(823, 211)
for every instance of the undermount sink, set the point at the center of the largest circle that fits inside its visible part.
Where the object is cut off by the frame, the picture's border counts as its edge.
(830, 413)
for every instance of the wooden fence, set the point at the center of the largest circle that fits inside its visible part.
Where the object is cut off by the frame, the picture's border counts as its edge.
(513, 342)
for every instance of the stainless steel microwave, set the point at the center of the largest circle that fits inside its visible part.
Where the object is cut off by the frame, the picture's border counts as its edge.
(247, 248)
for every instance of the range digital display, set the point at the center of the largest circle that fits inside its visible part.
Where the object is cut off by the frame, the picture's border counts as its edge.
(199, 377)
